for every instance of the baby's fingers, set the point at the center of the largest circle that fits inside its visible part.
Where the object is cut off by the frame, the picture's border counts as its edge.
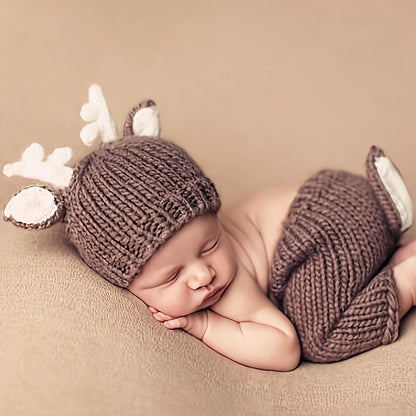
(176, 323)
(159, 316)
(168, 321)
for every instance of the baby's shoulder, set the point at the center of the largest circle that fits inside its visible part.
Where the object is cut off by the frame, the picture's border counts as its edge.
(265, 207)
(255, 223)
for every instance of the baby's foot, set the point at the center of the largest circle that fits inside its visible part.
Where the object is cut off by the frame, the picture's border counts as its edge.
(404, 273)
(403, 253)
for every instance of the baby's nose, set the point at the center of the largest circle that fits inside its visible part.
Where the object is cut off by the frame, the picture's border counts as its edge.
(201, 276)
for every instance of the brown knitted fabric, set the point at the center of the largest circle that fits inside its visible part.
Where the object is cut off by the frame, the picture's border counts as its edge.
(128, 198)
(327, 271)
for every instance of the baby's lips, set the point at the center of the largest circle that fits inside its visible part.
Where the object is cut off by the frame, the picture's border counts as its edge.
(213, 292)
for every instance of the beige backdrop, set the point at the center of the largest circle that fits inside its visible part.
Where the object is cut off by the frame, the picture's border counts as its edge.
(260, 92)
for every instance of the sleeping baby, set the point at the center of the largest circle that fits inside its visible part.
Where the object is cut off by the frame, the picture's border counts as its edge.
(313, 273)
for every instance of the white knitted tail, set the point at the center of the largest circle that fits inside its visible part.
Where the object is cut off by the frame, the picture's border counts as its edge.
(396, 187)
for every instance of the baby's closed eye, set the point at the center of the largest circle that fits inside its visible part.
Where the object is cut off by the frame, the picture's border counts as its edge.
(212, 245)
(171, 276)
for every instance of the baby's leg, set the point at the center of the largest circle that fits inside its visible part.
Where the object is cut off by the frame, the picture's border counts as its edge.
(328, 274)
(371, 318)
(335, 323)
(403, 253)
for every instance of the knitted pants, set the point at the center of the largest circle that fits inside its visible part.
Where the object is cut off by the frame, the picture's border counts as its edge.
(327, 273)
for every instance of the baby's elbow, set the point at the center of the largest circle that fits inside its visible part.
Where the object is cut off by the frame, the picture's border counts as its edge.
(284, 355)
(291, 353)
(294, 353)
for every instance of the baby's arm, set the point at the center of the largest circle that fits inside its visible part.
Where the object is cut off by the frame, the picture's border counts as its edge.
(264, 339)
(253, 343)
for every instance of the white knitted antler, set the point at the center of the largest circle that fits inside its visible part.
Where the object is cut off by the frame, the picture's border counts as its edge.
(39, 207)
(101, 123)
(52, 170)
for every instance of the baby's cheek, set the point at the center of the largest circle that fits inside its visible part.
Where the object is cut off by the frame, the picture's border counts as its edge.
(230, 255)
(175, 304)
(228, 263)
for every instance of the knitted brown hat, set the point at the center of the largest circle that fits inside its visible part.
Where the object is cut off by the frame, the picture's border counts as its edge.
(128, 198)
(122, 201)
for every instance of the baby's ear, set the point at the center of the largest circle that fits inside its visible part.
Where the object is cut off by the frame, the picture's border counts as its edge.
(142, 120)
(34, 207)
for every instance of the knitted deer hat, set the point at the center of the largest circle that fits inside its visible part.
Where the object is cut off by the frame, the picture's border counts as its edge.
(122, 201)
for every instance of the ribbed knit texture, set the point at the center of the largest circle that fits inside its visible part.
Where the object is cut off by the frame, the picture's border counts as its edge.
(128, 198)
(327, 271)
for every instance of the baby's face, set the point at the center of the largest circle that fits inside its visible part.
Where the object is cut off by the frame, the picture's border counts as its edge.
(190, 271)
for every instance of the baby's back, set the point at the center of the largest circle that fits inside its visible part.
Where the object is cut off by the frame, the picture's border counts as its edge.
(254, 226)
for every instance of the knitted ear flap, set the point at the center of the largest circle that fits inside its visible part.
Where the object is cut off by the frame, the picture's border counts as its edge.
(142, 120)
(34, 207)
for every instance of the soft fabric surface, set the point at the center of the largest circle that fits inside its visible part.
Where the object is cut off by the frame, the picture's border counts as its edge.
(72, 344)
(259, 92)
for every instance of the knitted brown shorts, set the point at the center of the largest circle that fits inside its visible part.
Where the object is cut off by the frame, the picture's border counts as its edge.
(328, 273)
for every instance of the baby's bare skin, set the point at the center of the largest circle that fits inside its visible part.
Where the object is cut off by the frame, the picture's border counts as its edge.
(180, 281)
(211, 279)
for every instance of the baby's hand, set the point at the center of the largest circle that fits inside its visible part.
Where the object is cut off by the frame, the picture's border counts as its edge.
(195, 324)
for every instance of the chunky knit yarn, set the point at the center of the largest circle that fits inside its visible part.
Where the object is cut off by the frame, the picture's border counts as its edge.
(327, 273)
(128, 198)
